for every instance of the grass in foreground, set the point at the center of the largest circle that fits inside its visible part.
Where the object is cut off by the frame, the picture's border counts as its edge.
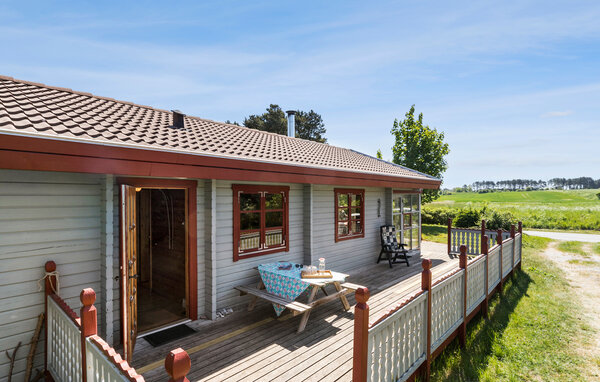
(532, 333)
(596, 248)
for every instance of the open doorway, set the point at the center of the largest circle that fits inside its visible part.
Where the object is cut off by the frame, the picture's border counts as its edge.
(162, 253)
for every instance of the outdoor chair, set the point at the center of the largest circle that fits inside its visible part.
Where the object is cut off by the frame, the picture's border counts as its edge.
(389, 245)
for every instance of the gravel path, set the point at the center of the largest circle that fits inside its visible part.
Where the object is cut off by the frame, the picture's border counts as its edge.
(583, 273)
(566, 236)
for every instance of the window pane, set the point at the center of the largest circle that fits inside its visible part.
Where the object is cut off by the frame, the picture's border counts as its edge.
(356, 212)
(356, 199)
(342, 228)
(274, 219)
(396, 221)
(415, 219)
(249, 241)
(356, 226)
(415, 203)
(406, 206)
(249, 202)
(274, 238)
(274, 201)
(396, 204)
(342, 200)
(407, 221)
(342, 214)
(249, 220)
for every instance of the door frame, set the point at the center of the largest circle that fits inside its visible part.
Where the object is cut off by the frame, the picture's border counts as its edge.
(191, 224)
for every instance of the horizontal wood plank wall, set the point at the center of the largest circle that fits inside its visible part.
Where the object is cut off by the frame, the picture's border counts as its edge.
(44, 216)
(347, 254)
(242, 272)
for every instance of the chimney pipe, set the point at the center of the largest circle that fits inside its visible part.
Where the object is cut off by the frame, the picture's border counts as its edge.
(291, 123)
(178, 121)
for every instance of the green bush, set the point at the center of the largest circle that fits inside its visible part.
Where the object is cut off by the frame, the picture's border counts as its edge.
(468, 217)
(498, 219)
(440, 216)
(598, 195)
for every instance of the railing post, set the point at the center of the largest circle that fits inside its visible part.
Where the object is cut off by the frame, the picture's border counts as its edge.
(484, 250)
(89, 323)
(49, 288)
(501, 257)
(482, 233)
(361, 335)
(462, 334)
(426, 286)
(521, 244)
(512, 235)
(449, 236)
(178, 364)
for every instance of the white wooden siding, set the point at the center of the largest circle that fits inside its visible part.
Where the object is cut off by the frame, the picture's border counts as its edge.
(44, 216)
(242, 272)
(346, 254)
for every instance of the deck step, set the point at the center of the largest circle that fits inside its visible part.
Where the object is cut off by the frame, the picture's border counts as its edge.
(352, 286)
(260, 293)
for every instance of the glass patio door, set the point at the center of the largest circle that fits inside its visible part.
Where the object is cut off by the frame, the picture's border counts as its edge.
(406, 217)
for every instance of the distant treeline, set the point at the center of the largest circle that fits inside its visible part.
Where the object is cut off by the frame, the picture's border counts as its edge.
(583, 182)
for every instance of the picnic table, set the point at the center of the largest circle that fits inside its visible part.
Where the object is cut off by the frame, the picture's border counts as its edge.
(283, 286)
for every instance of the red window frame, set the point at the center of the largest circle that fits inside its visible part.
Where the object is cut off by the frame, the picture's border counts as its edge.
(350, 235)
(263, 249)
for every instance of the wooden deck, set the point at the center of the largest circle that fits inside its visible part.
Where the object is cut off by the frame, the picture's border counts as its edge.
(257, 346)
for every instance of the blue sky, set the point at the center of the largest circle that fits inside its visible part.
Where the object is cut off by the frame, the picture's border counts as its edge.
(515, 86)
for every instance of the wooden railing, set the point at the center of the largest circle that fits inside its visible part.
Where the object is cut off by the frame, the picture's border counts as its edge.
(472, 238)
(404, 341)
(75, 352)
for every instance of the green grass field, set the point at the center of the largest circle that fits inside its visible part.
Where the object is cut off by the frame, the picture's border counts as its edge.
(563, 210)
(533, 332)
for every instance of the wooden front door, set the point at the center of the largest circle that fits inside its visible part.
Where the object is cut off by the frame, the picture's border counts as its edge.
(128, 269)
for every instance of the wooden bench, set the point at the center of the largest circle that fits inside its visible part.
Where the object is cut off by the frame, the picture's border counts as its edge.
(351, 287)
(295, 306)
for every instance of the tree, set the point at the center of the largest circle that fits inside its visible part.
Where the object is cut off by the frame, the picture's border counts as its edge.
(309, 125)
(379, 155)
(421, 148)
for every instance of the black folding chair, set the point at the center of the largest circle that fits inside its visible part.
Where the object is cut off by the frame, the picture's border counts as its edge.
(389, 245)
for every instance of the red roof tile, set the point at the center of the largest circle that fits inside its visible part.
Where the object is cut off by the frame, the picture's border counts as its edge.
(66, 114)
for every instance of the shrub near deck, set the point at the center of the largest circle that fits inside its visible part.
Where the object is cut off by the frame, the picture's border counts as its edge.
(533, 332)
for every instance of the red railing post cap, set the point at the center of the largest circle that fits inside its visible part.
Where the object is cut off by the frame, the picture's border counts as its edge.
(178, 363)
(87, 297)
(50, 266)
(362, 295)
(426, 264)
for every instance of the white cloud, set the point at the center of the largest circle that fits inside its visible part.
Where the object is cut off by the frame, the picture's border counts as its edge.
(553, 114)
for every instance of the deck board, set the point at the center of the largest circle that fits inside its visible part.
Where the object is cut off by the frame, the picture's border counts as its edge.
(272, 350)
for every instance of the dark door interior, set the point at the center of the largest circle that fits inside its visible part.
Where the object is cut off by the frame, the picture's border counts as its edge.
(162, 243)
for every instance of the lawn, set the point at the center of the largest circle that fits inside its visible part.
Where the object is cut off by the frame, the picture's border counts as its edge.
(550, 209)
(533, 332)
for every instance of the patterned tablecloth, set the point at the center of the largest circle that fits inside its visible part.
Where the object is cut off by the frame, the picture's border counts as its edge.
(283, 283)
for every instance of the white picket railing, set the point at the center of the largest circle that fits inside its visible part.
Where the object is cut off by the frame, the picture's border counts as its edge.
(493, 267)
(468, 237)
(518, 242)
(476, 283)
(446, 308)
(397, 345)
(507, 253)
(64, 343)
(493, 236)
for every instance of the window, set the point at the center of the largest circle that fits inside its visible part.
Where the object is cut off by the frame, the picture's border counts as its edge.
(349, 214)
(260, 220)
(406, 216)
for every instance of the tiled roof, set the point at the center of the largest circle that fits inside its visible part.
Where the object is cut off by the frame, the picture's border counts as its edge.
(43, 110)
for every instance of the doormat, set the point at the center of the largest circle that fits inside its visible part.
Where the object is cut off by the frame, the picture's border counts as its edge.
(168, 335)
